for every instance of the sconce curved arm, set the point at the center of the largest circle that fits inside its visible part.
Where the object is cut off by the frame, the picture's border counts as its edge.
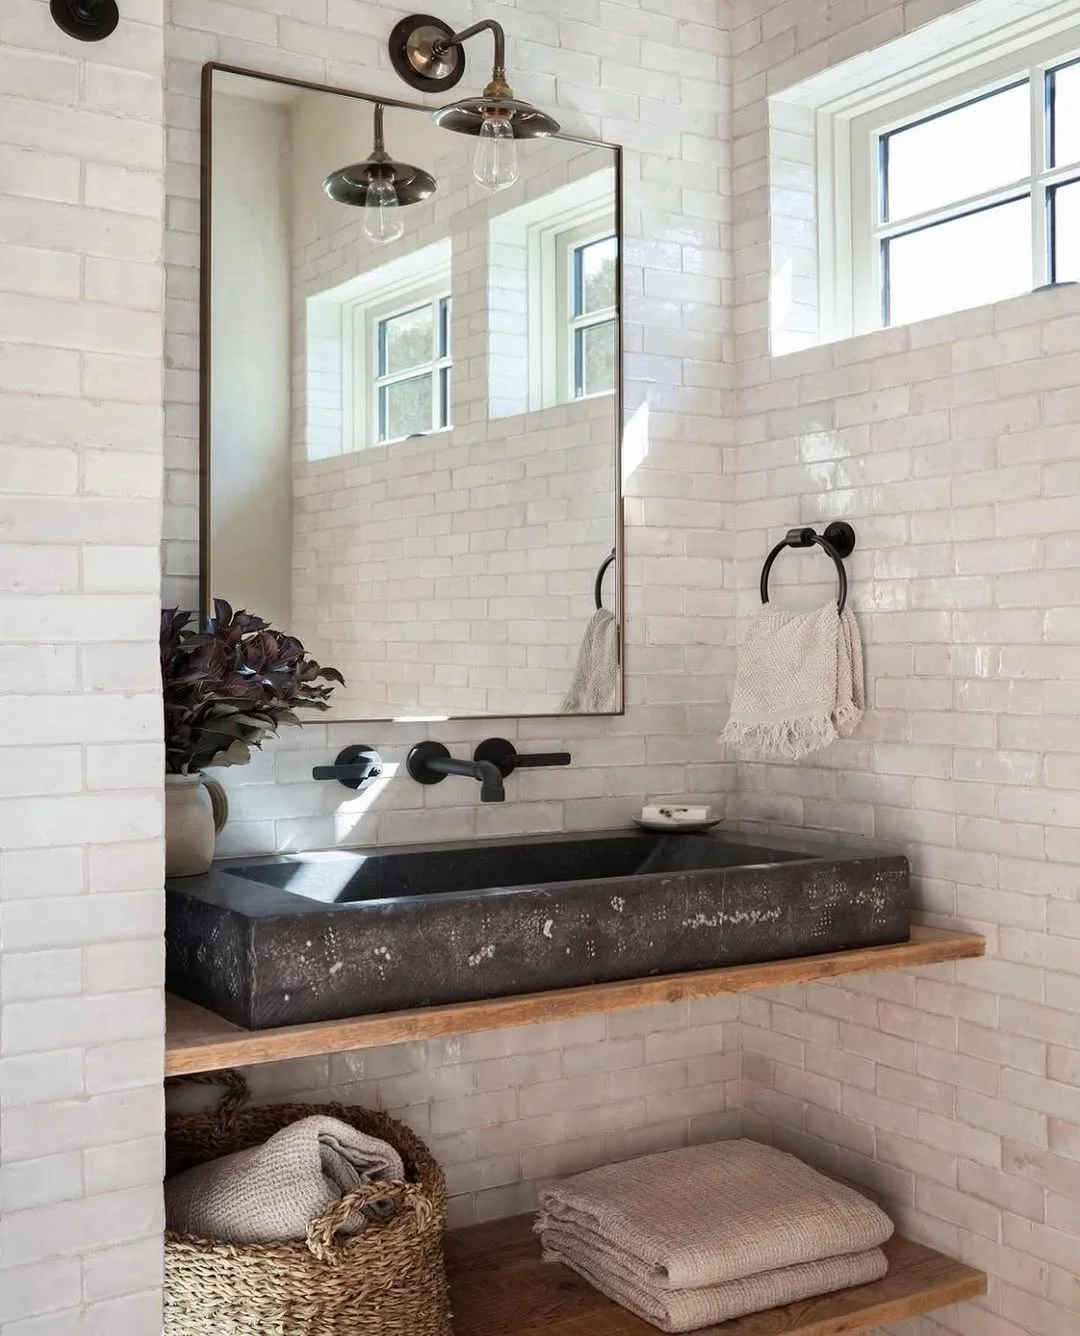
(489, 25)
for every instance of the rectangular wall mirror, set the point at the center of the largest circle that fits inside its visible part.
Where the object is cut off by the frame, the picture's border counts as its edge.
(411, 413)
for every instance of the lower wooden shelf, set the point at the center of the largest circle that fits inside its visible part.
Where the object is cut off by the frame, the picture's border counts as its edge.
(501, 1288)
(198, 1041)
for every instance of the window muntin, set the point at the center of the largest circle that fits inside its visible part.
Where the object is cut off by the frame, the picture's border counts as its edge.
(950, 185)
(408, 367)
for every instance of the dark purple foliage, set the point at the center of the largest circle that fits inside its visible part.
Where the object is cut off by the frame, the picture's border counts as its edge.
(231, 685)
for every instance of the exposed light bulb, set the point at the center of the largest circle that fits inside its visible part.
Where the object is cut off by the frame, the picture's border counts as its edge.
(496, 165)
(382, 216)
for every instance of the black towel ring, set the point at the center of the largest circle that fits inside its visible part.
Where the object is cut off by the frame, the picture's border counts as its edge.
(598, 588)
(838, 541)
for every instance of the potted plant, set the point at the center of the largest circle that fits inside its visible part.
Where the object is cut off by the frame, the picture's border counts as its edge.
(226, 688)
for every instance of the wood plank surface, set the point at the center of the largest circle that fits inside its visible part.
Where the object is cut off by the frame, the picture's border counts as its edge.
(198, 1041)
(501, 1288)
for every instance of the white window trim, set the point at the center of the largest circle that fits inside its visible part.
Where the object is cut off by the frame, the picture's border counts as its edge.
(568, 324)
(874, 93)
(359, 347)
(549, 246)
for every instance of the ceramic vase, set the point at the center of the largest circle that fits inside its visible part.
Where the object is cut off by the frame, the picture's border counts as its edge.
(190, 826)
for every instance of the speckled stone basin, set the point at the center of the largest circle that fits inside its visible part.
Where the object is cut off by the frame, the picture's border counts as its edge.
(309, 937)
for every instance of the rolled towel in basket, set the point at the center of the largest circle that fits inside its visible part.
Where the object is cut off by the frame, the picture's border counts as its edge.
(269, 1193)
(708, 1306)
(707, 1215)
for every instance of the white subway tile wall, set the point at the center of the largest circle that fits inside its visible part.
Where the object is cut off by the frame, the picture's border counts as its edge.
(953, 447)
(81, 327)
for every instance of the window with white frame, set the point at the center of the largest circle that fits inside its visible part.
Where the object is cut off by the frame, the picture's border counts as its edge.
(587, 276)
(972, 202)
(401, 349)
(938, 172)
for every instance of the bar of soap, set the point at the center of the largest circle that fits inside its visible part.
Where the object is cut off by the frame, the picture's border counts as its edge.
(667, 812)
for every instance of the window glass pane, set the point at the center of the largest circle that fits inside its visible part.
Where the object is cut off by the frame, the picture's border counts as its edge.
(1066, 115)
(1066, 213)
(594, 358)
(444, 397)
(958, 154)
(444, 326)
(405, 408)
(982, 257)
(406, 340)
(594, 267)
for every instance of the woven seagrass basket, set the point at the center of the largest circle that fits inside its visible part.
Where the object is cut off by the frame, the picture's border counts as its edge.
(388, 1280)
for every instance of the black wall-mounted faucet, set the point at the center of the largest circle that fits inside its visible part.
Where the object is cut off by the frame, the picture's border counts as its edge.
(506, 757)
(431, 762)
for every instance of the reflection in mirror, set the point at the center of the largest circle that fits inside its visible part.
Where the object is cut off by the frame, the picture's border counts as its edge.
(411, 413)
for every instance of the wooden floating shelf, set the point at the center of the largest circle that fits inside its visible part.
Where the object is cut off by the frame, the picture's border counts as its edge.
(501, 1288)
(198, 1041)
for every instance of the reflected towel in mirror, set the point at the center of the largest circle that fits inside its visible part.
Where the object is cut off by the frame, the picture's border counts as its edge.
(593, 686)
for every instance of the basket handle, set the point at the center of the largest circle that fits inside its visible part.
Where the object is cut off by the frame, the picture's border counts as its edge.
(367, 1205)
(235, 1089)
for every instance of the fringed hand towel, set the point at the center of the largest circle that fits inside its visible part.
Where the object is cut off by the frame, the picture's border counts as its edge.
(593, 686)
(799, 684)
(269, 1193)
(707, 1215)
(689, 1310)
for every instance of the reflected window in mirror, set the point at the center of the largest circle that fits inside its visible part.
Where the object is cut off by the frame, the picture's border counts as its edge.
(408, 370)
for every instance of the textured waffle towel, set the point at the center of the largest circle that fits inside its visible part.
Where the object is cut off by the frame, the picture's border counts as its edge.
(592, 689)
(799, 683)
(268, 1194)
(687, 1310)
(708, 1215)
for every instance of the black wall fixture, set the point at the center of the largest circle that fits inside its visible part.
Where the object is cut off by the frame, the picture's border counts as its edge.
(86, 20)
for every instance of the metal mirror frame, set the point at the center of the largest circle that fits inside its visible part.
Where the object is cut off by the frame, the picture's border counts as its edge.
(205, 354)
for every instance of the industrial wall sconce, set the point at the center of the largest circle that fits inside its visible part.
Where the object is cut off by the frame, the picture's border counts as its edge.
(430, 56)
(381, 187)
(86, 20)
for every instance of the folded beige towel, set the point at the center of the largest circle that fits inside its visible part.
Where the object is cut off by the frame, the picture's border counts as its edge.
(799, 683)
(688, 1310)
(706, 1215)
(269, 1193)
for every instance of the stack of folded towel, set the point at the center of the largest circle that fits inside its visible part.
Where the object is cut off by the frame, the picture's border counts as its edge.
(692, 1238)
(270, 1193)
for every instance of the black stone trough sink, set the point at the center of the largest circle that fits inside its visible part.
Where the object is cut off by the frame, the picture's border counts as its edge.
(310, 937)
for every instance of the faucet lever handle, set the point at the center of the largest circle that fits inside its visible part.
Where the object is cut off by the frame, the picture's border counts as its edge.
(355, 767)
(506, 758)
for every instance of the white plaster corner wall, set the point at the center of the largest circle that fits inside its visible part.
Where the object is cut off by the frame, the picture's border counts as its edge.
(81, 1050)
(645, 76)
(953, 447)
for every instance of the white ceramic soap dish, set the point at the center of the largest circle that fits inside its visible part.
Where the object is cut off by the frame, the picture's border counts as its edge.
(672, 817)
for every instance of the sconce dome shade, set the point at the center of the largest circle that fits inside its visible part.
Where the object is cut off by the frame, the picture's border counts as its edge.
(349, 185)
(467, 116)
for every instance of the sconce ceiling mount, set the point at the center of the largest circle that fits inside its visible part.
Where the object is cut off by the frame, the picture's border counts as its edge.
(430, 56)
(86, 20)
(423, 52)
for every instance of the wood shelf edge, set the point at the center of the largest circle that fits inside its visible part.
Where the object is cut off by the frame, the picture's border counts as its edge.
(501, 1287)
(198, 1041)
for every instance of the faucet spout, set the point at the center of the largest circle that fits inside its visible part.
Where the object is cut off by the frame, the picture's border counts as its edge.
(491, 781)
(430, 763)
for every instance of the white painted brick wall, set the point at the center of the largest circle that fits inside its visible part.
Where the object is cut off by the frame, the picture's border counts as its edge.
(81, 305)
(953, 448)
